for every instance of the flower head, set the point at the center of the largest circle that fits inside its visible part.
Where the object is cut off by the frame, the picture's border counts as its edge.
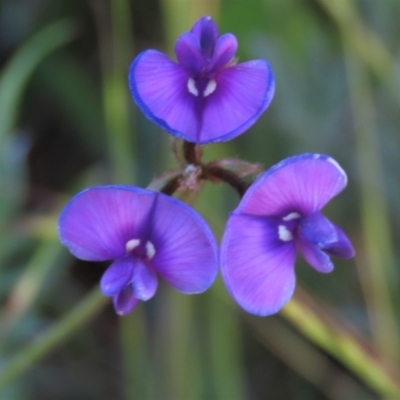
(147, 234)
(280, 213)
(205, 97)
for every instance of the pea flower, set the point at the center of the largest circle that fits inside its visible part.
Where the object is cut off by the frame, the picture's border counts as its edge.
(205, 97)
(147, 234)
(280, 213)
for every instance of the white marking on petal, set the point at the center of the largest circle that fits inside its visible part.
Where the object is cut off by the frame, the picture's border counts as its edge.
(210, 88)
(291, 216)
(336, 164)
(191, 85)
(284, 234)
(150, 250)
(132, 244)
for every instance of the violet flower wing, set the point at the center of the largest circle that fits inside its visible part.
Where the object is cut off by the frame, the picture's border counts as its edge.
(98, 222)
(186, 253)
(303, 184)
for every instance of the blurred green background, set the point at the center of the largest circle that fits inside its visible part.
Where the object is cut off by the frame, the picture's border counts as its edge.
(67, 122)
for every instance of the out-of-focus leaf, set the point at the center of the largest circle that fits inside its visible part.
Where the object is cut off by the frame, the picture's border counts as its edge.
(15, 75)
(78, 98)
(12, 173)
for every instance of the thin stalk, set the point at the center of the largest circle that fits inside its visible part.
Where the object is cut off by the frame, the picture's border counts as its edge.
(180, 366)
(340, 340)
(54, 336)
(28, 286)
(15, 75)
(378, 247)
(225, 343)
(116, 52)
(305, 359)
(135, 356)
(364, 43)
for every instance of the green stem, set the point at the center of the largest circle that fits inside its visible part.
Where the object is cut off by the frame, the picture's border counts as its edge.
(342, 342)
(225, 345)
(18, 70)
(364, 43)
(135, 355)
(378, 248)
(28, 286)
(33, 352)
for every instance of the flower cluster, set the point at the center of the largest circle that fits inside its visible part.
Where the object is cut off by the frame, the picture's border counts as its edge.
(207, 97)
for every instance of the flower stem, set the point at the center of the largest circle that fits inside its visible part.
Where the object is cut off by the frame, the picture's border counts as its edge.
(192, 153)
(227, 176)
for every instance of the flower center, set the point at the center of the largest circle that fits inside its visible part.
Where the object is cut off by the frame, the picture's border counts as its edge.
(147, 251)
(287, 226)
(206, 90)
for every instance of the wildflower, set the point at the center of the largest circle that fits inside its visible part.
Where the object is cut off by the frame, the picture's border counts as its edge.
(147, 234)
(280, 213)
(205, 97)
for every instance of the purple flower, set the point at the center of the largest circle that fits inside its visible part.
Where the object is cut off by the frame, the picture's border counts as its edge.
(147, 234)
(206, 97)
(280, 213)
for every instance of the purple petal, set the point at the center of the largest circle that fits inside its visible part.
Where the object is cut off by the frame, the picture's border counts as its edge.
(318, 238)
(317, 229)
(207, 32)
(197, 111)
(258, 268)
(117, 275)
(144, 281)
(242, 93)
(225, 50)
(342, 247)
(160, 89)
(185, 248)
(302, 184)
(188, 53)
(124, 301)
(318, 259)
(98, 222)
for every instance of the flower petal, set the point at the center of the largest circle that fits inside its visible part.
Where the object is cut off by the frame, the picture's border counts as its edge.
(318, 238)
(160, 88)
(185, 248)
(214, 111)
(188, 53)
(124, 301)
(342, 247)
(241, 94)
(117, 275)
(98, 222)
(144, 281)
(207, 32)
(257, 267)
(318, 259)
(302, 184)
(225, 50)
